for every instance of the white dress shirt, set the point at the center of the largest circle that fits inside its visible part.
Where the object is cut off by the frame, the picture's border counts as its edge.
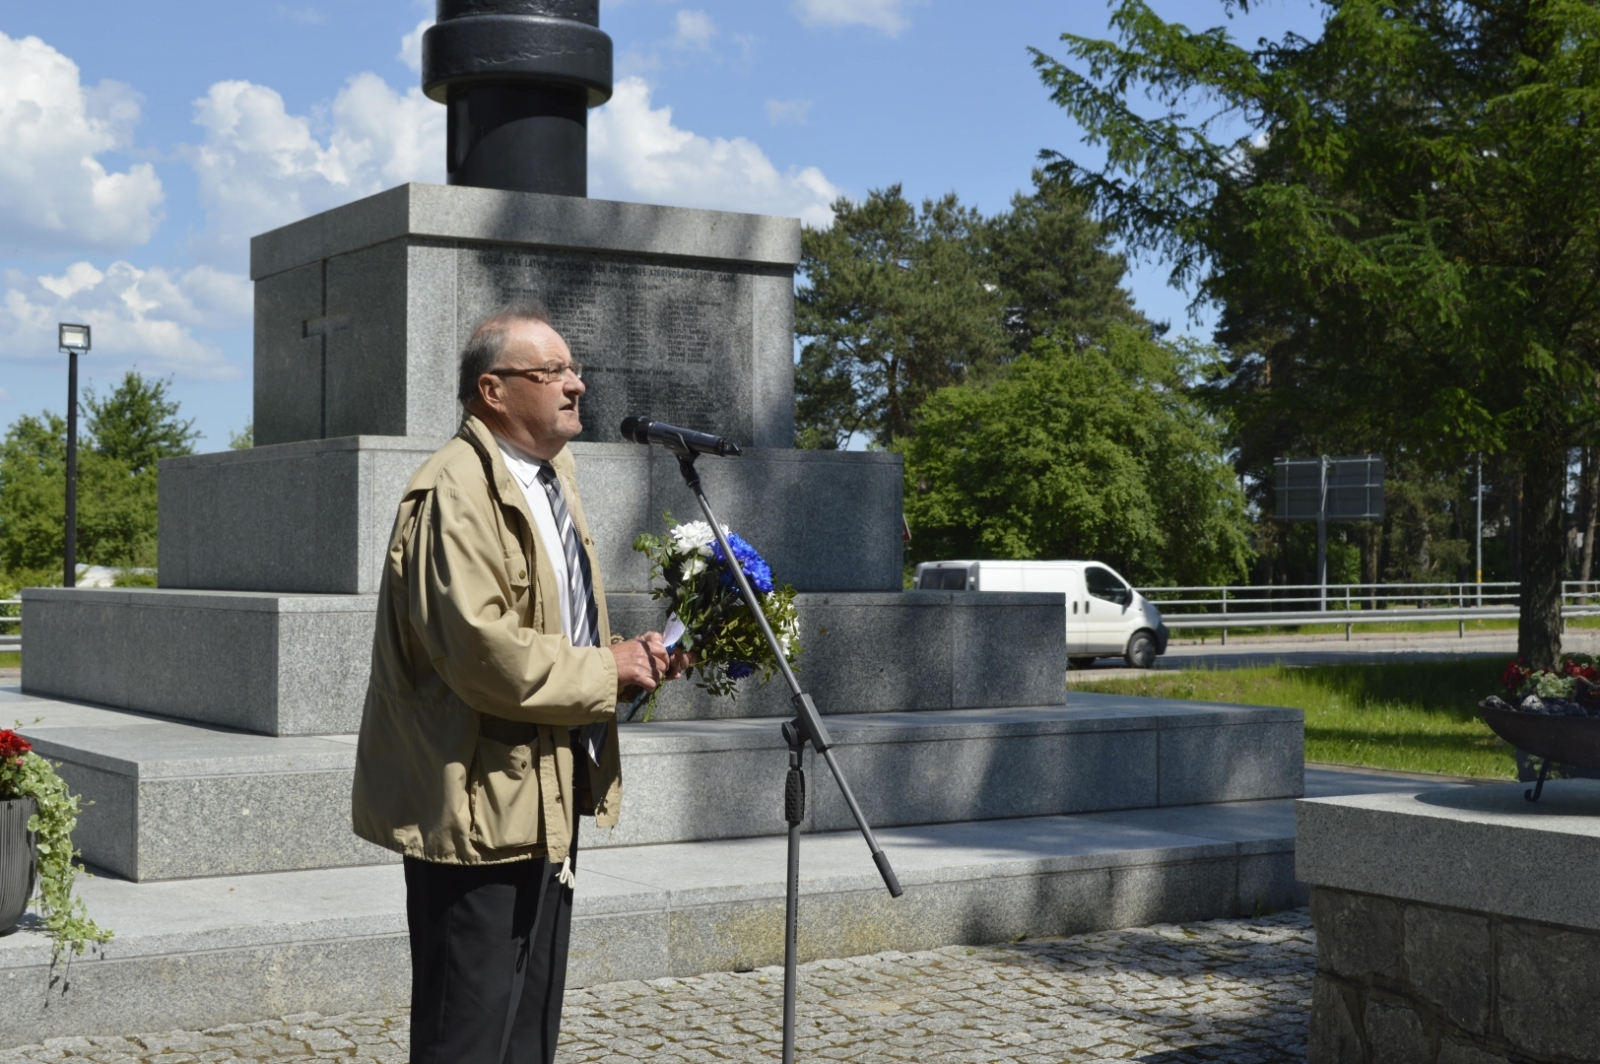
(525, 471)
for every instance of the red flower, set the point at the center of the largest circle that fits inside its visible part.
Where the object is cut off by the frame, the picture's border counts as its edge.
(1515, 673)
(13, 746)
(1572, 668)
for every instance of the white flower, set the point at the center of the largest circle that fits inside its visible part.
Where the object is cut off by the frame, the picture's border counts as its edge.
(693, 566)
(787, 634)
(693, 537)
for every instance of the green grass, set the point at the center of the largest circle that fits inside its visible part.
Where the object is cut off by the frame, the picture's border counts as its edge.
(1412, 717)
(11, 661)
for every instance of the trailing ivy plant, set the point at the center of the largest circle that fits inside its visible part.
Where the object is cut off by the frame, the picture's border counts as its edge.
(24, 774)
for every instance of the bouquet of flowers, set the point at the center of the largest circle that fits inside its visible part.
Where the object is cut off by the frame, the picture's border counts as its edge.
(1571, 689)
(710, 618)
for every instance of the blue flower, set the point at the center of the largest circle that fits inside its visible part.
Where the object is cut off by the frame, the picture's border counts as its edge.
(754, 566)
(740, 669)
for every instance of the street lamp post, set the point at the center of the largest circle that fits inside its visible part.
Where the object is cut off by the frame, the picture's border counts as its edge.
(73, 340)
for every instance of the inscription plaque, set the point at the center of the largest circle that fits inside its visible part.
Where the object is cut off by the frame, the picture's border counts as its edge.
(670, 341)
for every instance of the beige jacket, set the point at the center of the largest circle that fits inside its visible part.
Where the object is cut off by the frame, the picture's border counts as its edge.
(464, 755)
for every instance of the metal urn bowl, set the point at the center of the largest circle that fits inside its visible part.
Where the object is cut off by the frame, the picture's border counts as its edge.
(17, 861)
(1557, 740)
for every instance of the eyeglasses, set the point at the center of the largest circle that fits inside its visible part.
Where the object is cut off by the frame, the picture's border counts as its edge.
(547, 374)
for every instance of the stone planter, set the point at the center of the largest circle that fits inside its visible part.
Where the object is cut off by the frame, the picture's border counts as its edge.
(18, 861)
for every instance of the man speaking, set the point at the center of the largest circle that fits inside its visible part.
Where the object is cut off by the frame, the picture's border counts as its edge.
(490, 719)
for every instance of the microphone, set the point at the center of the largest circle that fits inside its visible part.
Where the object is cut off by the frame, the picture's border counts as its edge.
(678, 441)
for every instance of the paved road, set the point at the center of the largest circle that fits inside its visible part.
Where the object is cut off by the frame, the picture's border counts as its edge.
(1231, 990)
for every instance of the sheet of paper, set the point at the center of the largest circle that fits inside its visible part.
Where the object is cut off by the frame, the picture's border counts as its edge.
(674, 632)
(593, 736)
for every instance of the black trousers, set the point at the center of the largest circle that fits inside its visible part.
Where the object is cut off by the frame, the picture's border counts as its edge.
(488, 960)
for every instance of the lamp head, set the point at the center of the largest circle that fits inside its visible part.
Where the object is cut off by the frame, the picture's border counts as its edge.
(74, 338)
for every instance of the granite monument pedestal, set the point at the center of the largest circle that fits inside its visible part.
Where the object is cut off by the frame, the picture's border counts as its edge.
(1454, 926)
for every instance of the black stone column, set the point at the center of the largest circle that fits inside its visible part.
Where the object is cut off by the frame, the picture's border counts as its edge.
(519, 77)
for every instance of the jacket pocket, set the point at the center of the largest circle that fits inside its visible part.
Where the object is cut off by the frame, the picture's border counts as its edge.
(520, 580)
(505, 795)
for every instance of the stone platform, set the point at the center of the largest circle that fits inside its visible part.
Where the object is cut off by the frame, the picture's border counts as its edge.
(178, 800)
(315, 516)
(1455, 926)
(200, 952)
(281, 664)
(682, 315)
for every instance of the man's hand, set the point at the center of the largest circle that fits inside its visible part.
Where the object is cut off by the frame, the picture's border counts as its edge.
(642, 662)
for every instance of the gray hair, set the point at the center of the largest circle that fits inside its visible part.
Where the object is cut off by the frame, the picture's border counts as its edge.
(489, 342)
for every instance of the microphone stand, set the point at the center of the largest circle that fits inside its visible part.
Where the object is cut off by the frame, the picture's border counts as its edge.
(806, 727)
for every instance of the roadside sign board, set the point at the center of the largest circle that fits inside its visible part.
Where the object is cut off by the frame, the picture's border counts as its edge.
(1333, 489)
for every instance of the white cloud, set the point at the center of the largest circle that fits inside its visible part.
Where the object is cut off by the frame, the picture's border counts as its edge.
(693, 30)
(54, 190)
(261, 167)
(148, 316)
(788, 112)
(886, 15)
(306, 16)
(411, 46)
(5, 396)
(636, 153)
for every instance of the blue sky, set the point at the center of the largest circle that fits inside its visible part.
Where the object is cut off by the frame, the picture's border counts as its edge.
(141, 145)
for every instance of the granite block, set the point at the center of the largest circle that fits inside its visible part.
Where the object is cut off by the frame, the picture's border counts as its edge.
(272, 664)
(288, 373)
(1449, 957)
(163, 788)
(432, 341)
(866, 653)
(1546, 990)
(1395, 1033)
(1359, 937)
(481, 215)
(208, 988)
(701, 339)
(367, 296)
(1199, 887)
(933, 781)
(1334, 1037)
(615, 947)
(772, 372)
(1466, 1053)
(196, 953)
(1267, 883)
(316, 516)
(172, 801)
(293, 664)
(1467, 848)
(1223, 764)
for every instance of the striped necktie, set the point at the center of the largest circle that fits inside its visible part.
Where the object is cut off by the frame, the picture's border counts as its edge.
(580, 590)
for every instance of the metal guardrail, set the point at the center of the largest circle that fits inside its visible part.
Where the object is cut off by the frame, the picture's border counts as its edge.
(1253, 606)
(10, 617)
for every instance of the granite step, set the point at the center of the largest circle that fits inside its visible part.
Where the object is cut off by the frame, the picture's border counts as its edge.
(175, 799)
(292, 664)
(316, 516)
(198, 953)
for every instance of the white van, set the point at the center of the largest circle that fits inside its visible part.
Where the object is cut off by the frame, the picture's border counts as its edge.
(1106, 617)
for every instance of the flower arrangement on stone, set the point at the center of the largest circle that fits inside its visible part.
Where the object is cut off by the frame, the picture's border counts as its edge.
(26, 775)
(1572, 689)
(710, 619)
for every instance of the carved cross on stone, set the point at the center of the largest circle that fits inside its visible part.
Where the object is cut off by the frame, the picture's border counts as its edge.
(323, 328)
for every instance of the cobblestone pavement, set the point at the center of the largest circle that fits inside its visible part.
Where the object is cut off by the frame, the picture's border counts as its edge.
(1234, 991)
